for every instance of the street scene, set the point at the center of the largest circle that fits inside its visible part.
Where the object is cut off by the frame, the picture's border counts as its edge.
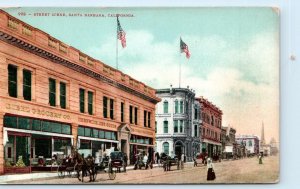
(139, 95)
(238, 171)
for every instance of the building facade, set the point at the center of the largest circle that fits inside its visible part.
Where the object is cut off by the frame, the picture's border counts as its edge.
(251, 143)
(52, 97)
(229, 145)
(211, 121)
(177, 122)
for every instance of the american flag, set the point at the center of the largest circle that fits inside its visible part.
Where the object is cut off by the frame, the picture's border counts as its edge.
(121, 34)
(184, 48)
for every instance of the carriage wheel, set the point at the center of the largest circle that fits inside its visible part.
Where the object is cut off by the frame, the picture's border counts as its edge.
(60, 172)
(72, 173)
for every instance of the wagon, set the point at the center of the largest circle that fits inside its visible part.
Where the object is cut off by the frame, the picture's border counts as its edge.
(66, 167)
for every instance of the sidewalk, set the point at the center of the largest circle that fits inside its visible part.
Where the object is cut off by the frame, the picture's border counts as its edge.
(31, 176)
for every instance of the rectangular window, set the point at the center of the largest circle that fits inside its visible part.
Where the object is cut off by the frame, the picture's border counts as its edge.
(155, 126)
(122, 112)
(111, 109)
(131, 114)
(176, 107)
(80, 131)
(36, 125)
(196, 130)
(145, 118)
(56, 127)
(81, 100)
(52, 92)
(107, 134)
(181, 126)
(101, 134)
(65, 129)
(166, 127)
(12, 81)
(27, 85)
(87, 132)
(24, 123)
(62, 95)
(196, 113)
(95, 133)
(105, 107)
(136, 115)
(149, 119)
(90, 102)
(176, 126)
(10, 121)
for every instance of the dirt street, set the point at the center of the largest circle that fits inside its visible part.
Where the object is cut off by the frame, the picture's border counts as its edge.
(238, 171)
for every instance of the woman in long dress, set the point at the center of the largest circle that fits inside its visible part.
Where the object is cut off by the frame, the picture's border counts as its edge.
(210, 170)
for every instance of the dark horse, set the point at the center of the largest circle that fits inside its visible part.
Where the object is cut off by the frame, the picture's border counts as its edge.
(166, 161)
(85, 165)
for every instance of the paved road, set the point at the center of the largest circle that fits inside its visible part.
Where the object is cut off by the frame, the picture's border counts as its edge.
(238, 171)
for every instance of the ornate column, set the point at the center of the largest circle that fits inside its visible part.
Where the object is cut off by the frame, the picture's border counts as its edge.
(2, 161)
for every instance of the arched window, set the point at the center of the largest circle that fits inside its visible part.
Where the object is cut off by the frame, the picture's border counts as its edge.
(166, 107)
(176, 107)
(166, 148)
(250, 143)
(181, 107)
(196, 130)
(166, 127)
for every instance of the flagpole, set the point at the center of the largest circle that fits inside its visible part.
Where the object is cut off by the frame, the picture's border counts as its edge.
(179, 65)
(117, 47)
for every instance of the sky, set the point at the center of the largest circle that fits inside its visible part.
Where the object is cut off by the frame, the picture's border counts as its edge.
(234, 53)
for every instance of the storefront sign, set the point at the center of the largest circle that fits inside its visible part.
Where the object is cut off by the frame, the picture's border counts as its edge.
(36, 111)
(142, 131)
(95, 122)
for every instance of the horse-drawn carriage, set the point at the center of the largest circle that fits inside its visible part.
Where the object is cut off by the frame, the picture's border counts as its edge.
(167, 161)
(76, 164)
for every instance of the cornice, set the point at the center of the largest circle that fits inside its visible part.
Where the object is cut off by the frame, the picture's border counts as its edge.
(58, 60)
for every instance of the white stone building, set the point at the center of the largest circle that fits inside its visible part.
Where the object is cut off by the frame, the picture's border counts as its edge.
(177, 122)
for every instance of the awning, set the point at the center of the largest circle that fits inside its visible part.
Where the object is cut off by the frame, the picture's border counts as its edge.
(37, 132)
(211, 142)
(97, 139)
(138, 144)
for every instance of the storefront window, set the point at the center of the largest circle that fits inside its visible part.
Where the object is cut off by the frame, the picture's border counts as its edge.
(101, 134)
(24, 123)
(113, 136)
(46, 126)
(17, 150)
(10, 121)
(80, 131)
(87, 132)
(65, 129)
(108, 135)
(95, 133)
(56, 127)
(36, 125)
(60, 145)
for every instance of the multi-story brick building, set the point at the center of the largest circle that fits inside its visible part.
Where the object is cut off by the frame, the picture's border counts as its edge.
(211, 121)
(53, 96)
(177, 122)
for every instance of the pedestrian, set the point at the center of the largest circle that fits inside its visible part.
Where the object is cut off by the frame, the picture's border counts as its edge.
(157, 157)
(182, 160)
(210, 170)
(260, 159)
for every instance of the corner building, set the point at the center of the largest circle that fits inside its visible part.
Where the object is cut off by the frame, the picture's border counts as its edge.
(211, 121)
(53, 96)
(177, 123)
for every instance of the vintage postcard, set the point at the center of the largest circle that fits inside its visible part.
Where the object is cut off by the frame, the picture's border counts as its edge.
(139, 95)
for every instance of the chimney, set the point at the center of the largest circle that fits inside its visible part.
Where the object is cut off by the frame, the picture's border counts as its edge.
(171, 89)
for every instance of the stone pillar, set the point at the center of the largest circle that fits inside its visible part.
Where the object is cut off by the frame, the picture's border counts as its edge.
(2, 162)
(74, 127)
(20, 83)
(57, 96)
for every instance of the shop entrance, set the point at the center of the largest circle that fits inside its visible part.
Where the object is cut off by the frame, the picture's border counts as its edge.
(124, 146)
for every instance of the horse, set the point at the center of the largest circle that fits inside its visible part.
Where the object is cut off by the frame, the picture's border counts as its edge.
(166, 161)
(84, 165)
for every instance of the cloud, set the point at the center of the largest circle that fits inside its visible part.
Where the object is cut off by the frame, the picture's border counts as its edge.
(241, 79)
